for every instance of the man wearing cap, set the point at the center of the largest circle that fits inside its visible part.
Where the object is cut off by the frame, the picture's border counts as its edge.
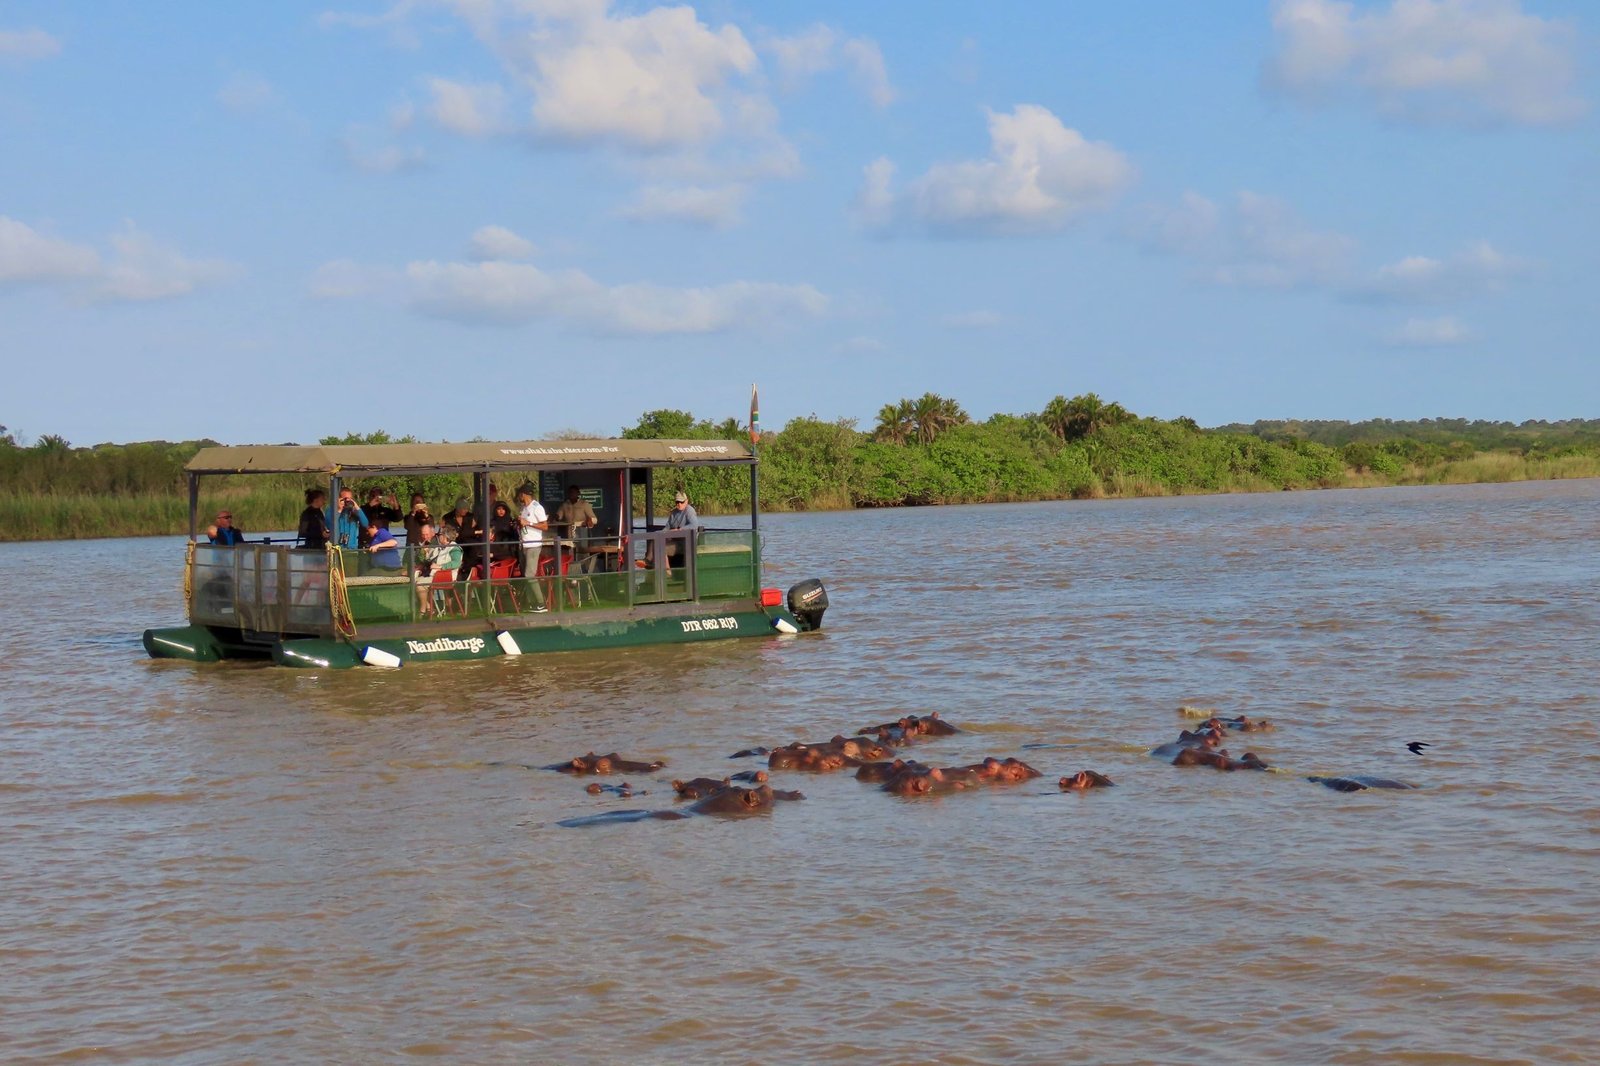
(223, 533)
(532, 521)
(682, 517)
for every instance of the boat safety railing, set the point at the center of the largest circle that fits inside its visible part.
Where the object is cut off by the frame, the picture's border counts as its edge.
(265, 588)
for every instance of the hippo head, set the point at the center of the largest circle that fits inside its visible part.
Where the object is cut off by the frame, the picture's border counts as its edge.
(1014, 770)
(912, 784)
(869, 749)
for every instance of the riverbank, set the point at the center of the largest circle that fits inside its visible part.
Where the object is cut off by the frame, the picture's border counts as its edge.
(81, 516)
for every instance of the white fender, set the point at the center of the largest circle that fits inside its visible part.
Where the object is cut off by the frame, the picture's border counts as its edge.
(508, 643)
(379, 657)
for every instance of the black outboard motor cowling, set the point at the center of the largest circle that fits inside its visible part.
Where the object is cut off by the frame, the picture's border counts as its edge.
(807, 601)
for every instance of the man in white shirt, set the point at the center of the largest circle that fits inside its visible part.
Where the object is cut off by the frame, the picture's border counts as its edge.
(532, 521)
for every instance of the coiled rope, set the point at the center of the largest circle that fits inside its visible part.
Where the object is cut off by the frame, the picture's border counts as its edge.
(188, 581)
(338, 597)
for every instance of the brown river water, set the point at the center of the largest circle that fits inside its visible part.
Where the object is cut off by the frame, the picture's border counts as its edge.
(241, 863)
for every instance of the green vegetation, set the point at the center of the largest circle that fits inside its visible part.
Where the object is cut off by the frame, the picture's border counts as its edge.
(920, 451)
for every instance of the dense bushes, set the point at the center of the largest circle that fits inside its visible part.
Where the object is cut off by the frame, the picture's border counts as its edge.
(923, 451)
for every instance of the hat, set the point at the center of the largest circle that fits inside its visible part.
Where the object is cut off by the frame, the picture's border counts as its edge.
(527, 486)
(224, 514)
(462, 504)
(681, 497)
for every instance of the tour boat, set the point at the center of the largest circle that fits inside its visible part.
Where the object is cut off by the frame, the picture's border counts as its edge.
(625, 581)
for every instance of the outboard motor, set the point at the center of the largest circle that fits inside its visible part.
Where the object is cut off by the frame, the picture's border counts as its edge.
(807, 601)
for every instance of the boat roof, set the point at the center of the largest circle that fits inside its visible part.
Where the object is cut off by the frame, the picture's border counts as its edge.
(473, 455)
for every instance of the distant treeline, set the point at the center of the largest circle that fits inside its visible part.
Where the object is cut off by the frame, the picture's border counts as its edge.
(918, 452)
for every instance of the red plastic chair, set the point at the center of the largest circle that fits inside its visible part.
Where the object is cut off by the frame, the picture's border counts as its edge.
(501, 574)
(446, 597)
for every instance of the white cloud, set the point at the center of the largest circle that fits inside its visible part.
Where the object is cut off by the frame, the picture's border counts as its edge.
(865, 59)
(28, 256)
(712, 207)
(245, 93)
(496, 292)
(654, 80)
(1272, 247)
(821, 48)
(470, 110)
(681, 99)
(1429, 333)
(366, 149)
(142, 269)
(973, 320)
(1191, 227)
(28, 44)
(492, 243)
(137, 268)
(345, 279)
(1477, 270)
(1259, 243)
(875, 201)
(514, 293)
(1469, 61)
(802, 56)
(1038, 176)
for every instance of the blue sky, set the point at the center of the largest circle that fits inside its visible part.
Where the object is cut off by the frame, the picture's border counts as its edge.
(507, 218)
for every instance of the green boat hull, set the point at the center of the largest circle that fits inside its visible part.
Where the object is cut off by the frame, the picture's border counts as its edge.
(475, 640)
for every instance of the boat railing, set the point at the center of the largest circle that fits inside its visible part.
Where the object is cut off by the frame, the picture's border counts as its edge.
(269, 588)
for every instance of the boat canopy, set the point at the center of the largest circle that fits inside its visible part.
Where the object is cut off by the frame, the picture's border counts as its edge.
(372, 459)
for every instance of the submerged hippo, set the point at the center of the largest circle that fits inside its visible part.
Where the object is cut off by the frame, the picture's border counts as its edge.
(703, 787)
(1085, 779)
(1219, 760)
(1358, 783)
(605, 764)
(734, 800)
(910, 728)
(624, 790)
(731, 802)
(829, 755)
(879, 772)
(700, 787)
(915, 779)
(1202, 738)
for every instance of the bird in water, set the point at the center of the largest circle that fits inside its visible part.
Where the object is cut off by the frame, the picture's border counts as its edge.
(1416, 746)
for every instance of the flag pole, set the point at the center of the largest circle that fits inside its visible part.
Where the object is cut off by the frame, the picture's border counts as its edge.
(755, 491)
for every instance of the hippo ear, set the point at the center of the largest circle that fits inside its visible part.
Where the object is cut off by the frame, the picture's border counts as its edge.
(750, 799)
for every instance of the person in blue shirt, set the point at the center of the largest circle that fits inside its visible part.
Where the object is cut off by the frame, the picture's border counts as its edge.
(384, 548)
(225, 534)
(349, 522)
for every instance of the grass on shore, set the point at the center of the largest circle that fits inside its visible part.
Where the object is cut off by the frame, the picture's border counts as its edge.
(80, 517)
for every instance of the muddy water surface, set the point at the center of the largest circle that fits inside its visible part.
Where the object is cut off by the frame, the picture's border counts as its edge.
(242, 863)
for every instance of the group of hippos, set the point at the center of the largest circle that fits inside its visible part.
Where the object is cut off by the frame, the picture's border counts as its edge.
(872, 753)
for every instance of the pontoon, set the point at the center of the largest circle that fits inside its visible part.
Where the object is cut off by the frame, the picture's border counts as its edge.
(627, 581)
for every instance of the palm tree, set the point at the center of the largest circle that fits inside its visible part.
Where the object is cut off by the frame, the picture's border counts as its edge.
(1057, 417)
(932, 414)
(894, 422)
(1082, 416)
